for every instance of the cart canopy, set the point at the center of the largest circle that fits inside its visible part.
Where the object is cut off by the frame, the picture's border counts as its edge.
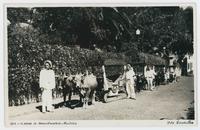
(114, 62)
(145, 59)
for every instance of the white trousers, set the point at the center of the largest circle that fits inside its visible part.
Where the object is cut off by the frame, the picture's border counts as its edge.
(130, 89)
(150, 83)
(47, 100)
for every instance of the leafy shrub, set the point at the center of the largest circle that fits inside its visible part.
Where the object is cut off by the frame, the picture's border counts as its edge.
(28, 49)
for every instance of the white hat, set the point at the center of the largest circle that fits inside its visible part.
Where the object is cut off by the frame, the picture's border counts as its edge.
(49, 62)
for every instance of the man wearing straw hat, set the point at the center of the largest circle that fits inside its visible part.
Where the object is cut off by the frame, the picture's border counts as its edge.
(47, 83)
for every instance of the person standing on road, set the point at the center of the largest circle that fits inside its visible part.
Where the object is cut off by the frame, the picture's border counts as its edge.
(177, 73)
(149, 75)
(47, 84)
(153, 73)
(129, 79)
(167, 76)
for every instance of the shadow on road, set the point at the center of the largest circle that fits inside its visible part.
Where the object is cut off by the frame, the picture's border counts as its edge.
(73, 104)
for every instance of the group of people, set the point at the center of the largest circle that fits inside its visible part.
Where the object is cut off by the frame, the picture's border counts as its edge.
(151, 76)
(173, 75)
(129, 77)
(47, 82)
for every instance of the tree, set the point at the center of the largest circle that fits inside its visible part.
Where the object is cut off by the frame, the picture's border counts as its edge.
(18, 15)
(113, 28)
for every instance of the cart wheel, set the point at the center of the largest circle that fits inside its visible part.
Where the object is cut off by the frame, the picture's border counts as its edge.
(105, 98)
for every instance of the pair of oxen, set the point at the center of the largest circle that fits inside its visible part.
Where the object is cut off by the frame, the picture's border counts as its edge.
(83, 85)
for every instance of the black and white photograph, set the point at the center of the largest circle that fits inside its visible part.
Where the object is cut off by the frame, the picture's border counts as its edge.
(100, 63)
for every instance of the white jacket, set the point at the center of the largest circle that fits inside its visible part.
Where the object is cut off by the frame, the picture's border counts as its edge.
(153, 73)
(47, 79)
(129, 75)
(149, 74)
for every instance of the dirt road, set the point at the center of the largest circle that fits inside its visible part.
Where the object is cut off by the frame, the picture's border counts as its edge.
(167, 102)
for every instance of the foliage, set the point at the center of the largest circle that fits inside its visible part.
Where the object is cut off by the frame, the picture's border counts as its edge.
(27, 54)
(113, 28)
(17, 15)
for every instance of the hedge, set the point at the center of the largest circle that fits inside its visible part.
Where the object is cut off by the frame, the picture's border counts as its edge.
(27, 50)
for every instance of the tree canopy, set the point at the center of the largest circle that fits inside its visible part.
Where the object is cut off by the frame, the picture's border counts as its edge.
(113, 28)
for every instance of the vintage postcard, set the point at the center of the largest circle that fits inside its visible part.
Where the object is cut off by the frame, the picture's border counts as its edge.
(100, 64)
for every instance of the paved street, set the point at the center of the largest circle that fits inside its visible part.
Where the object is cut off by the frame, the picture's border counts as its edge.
(167, 102)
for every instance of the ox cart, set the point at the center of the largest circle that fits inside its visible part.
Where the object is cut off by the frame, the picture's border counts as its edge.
(112, 87)
(140, 64)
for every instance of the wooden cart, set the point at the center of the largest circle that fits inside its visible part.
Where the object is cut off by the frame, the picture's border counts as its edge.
(113, 90)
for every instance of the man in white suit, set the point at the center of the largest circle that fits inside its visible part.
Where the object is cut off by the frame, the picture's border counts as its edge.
(47, 84)
(129, 77)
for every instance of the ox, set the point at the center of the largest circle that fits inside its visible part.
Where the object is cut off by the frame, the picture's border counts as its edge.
(87, 85)
(68, 86)
(84, 86)
(141, 83)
